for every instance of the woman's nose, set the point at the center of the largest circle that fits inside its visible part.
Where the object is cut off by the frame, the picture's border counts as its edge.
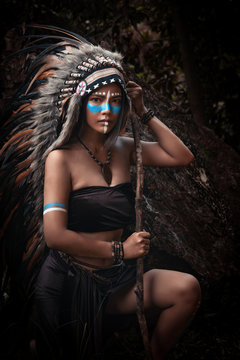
(106, 107)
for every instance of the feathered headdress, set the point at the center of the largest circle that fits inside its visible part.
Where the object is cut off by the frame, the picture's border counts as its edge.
(44, 113)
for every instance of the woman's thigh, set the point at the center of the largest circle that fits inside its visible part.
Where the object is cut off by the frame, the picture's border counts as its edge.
(52, 293)
(162, 289)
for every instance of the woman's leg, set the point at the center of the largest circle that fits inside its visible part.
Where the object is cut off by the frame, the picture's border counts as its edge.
(174, 294)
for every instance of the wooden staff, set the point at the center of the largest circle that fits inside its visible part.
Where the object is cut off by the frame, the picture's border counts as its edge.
(140, 264)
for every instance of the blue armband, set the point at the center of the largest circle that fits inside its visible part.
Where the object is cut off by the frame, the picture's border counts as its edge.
(54, 207)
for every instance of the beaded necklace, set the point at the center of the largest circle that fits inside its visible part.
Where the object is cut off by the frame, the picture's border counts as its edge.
(106, 171)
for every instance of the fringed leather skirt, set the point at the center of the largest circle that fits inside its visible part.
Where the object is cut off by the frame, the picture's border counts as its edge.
(70, 303)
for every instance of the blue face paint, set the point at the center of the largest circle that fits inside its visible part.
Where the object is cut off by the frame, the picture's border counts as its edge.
(107, 106)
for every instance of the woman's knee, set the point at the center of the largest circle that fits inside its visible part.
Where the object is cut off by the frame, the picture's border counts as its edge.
(188, 290)
(164, 288)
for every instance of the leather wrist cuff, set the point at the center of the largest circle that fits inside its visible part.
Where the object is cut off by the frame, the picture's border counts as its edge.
(147, 116)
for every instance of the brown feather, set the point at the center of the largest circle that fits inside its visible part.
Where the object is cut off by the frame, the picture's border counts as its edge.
(53, 60)
(22, 176)
(15, 138)
(23, 164)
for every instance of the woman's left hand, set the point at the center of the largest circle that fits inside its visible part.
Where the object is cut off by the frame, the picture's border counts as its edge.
(135, 93)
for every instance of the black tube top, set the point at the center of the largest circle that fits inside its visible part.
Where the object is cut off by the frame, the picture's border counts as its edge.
(101, 208)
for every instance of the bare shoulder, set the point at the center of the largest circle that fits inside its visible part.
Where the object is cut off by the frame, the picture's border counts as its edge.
(58, 155)
(125, 146)
(56, 158)
(125, 143)
(56, 165)
(57, 177)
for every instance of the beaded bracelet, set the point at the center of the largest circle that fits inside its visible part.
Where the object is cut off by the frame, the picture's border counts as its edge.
(117, 251)
(147, 116)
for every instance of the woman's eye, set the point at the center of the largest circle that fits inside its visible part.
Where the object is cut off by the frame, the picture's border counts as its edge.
(117, 101)
(95, 99)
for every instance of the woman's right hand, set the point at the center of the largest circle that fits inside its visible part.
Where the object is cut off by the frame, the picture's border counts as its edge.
(136, 245)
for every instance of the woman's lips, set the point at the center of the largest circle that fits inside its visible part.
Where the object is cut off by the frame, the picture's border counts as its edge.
(103, 121)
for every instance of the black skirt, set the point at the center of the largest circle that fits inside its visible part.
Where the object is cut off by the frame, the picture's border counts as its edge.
(70, 304)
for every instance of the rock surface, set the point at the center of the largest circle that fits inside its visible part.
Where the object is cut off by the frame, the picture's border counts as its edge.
(192, 212)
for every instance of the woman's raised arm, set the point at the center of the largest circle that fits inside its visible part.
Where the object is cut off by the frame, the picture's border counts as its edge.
(169, 150)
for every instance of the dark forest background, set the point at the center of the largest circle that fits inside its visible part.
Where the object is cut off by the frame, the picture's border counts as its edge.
(186, 54)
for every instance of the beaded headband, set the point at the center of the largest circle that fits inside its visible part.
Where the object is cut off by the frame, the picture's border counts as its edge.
(90, 75)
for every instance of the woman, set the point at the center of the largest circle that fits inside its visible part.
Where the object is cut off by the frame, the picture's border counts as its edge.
(79, 114)
(72, 169)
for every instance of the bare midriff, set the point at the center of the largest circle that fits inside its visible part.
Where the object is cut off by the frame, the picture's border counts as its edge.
(108, 236)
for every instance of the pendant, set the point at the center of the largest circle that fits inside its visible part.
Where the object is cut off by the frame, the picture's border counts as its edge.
(107, 173)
